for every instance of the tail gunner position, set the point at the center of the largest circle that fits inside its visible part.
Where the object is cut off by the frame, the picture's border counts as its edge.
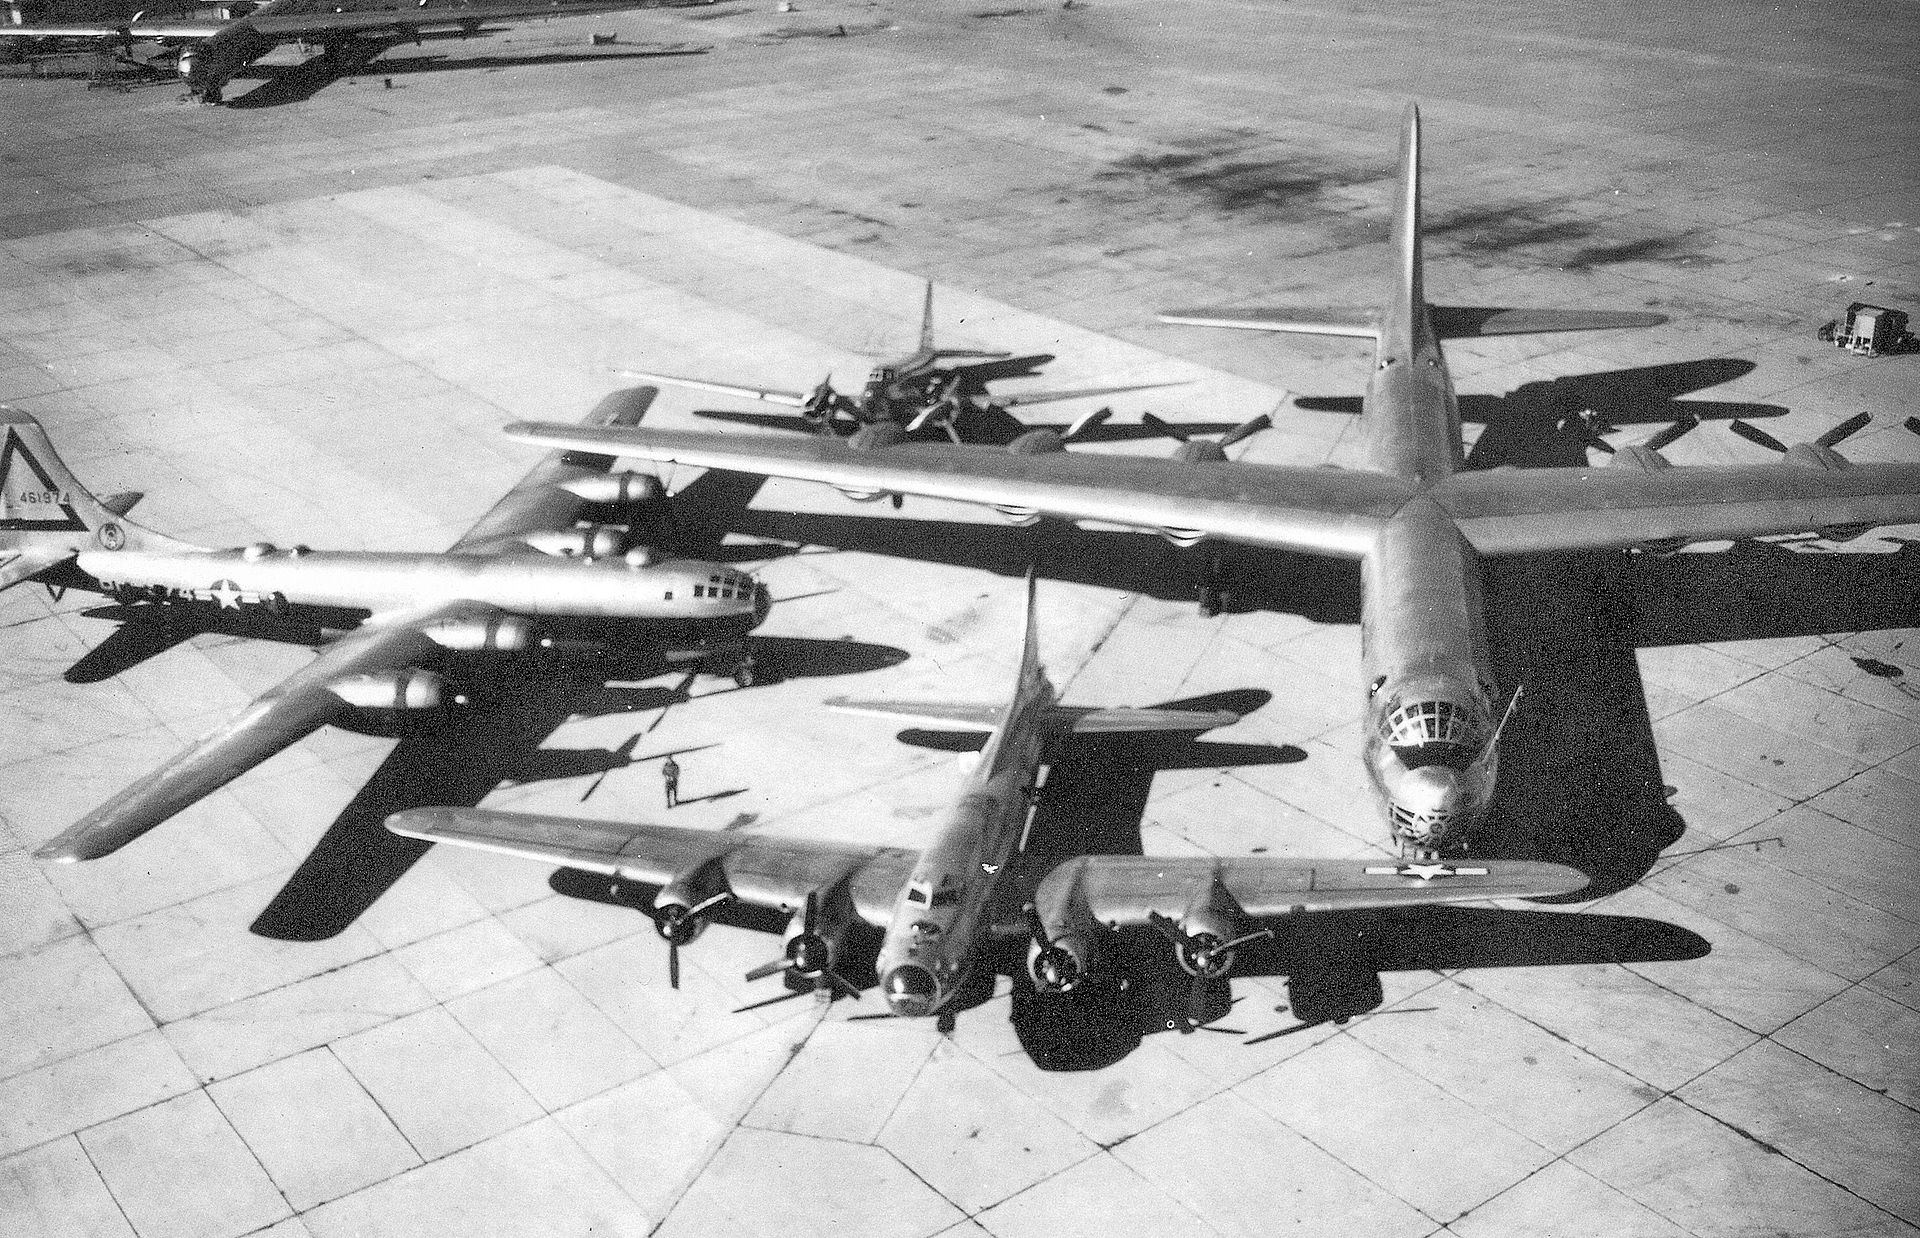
(528, 577)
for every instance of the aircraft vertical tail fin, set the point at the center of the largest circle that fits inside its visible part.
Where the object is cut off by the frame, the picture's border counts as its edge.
(1408, 294)
(46, 515)
(1030, 642)
(926, 321)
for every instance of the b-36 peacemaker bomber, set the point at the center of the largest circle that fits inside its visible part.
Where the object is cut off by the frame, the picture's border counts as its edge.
(528, 577)
(912, 393)
(217, 42)
(1416, 521)
(936, 907)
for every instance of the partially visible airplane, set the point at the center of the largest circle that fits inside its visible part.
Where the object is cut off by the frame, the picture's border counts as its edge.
(938, 906)
(526, 578)
(912, 393)
(215, 42)
(1414, 518)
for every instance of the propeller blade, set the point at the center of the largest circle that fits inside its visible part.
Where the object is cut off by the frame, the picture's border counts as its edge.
(769, 1001)
(1845, 430)
(767, 969)
(1754, 434)
(810, 911)
(836, 981)
(1098, 417)
(1197, 1002)
(1161, 426)
(708, 904)
(1246, 428)
(922, 418)
(673, 964)
(1035, 925)
(1671, 434)
(1224, 1031)
(1244, 939)
(1166, 926)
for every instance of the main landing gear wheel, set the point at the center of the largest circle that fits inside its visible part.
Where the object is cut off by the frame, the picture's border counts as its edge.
(1214, 600)
(743, 673)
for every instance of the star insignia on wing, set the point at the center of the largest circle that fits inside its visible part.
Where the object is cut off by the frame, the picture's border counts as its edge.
(227, 594)
(1424, 872)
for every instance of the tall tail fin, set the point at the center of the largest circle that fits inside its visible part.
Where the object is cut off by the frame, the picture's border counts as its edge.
(1408, 294)
(926, 321)
(44, 511)
(1030, 642)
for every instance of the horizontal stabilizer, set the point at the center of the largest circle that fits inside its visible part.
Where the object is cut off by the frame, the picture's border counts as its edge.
(944, 714)
(1454, 322)
(24, 564)
(1362, 322)
(1120, 721)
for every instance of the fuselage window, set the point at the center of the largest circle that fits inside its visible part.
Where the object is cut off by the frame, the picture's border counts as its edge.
(917, 895)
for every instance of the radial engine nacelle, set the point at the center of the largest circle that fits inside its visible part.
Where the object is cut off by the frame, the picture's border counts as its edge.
(681, 907)
(408, 689)
(616, 488)
(497, 633)
(592, 541)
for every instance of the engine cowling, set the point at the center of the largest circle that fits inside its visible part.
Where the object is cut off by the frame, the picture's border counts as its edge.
(1197, 948)
(1064, 964)
(593, 541)
(497, 633)
(411, 689)
(616, 488)
(1038, 443)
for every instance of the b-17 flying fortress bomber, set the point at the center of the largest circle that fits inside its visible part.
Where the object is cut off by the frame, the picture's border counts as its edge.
(937, 907)
(1416, 521)
(528, 577)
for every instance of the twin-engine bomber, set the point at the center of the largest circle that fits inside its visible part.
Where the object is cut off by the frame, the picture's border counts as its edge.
(529, 577)
(1417, 521)
(936, 907)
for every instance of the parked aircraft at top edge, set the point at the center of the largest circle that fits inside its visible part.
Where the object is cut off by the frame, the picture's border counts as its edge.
(938, 906)
(1415, 520)
(526, 578)
(215, 42)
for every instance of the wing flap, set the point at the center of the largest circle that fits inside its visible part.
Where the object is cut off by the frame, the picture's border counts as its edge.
(1530, 511)
(1319, 511)
(284, 714)
(1128, 890)
(760, 869)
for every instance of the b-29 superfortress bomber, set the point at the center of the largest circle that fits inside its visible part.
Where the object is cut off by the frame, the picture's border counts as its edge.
(528, 577)
(1409, 512)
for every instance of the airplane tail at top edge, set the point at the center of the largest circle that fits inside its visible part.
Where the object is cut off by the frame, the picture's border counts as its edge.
(46, 515)
(1030, 641)
(926, 320)
(1408, 294)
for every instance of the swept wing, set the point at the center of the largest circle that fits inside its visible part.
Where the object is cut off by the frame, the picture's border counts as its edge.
(1324, 511)
(296, 707)
(761, 869)
(1081, 720)
(1129, 891)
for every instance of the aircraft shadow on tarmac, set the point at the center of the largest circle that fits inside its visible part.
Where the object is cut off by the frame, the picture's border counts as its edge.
(298, 82)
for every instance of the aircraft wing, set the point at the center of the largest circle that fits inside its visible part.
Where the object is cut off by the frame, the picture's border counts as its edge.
(999, 365)
(1320, 511)
(1528, 511)
(1130, 890)
(1117, 721)
(539, 502)
(291, 19)
(792, 399)
(294, 708)
(1081, 393)
(151, 28)
(943, 714)
(760, 869)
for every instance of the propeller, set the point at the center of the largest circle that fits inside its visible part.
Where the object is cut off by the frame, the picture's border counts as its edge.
(808, 957)
(1201, 449)
(1832, 438)
(1588, 426)
(1054, 967)
(1205, 957)
(945, 409)
(1671, 434)
(822, 402)
(680, 925)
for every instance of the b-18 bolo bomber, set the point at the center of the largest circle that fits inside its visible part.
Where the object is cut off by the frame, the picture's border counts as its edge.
(212, 43)
(938, 907)
(530, 578)
(1417, 522)
(911, 394)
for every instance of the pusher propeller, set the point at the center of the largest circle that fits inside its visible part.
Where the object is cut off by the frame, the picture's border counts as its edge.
(1203, 449)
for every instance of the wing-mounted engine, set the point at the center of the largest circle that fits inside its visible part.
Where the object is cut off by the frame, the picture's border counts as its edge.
(489, 634)
(1062, 954)
(1046, 441)
(409, 689)
(1819, 454)
(1206, 450)
(1205, 939)
(1645, 457)
(623, 488)
(680, 909)
(816, 944)
(587, 541)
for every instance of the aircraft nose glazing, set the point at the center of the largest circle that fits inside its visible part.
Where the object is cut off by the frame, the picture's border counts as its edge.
(911, 991)
(1426, 802)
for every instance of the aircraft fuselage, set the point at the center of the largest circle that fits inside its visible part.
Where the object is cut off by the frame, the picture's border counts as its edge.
(942, 913)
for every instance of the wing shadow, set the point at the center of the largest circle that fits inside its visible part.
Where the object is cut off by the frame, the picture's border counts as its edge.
(297, 83)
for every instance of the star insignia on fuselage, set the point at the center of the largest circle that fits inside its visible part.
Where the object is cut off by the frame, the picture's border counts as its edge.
(1425, 872)
(227, 594)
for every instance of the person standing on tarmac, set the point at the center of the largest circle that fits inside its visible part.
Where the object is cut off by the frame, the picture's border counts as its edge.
(670, 779)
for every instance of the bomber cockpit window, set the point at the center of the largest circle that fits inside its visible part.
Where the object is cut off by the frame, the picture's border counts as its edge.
(917, 895)
(1421, 723)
